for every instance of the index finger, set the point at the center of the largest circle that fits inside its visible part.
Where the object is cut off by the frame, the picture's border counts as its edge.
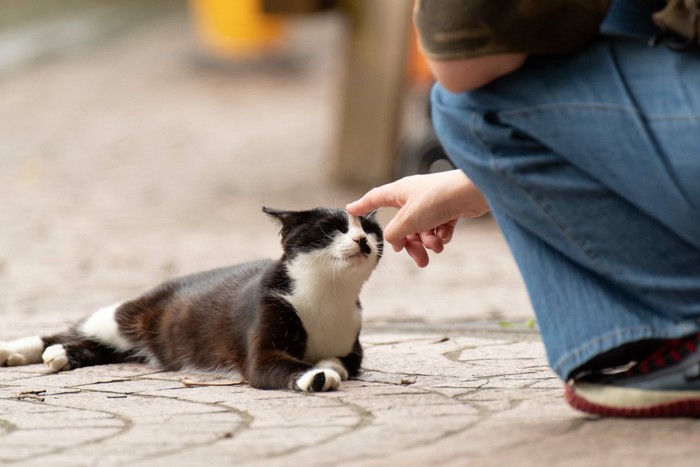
(380, 197)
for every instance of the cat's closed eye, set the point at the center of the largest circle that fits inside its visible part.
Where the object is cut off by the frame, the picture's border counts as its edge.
(332, 226)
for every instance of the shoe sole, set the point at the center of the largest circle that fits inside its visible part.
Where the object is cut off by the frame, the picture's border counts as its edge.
(665, 404)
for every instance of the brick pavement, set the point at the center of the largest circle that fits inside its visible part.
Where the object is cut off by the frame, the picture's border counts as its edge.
(416, 390)
(426, 398)
(129, 163)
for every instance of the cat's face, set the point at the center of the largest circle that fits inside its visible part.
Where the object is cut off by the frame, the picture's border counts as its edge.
(331, 234)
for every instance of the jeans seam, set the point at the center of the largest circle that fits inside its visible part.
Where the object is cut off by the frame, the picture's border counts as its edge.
(477, 137)
(568, 105)
(673, 117)
(579, 245)
(643, 123)
(596, 105)
(608, 107)
(643, 129)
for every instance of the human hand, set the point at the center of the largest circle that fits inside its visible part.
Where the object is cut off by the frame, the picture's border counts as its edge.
(429, 208)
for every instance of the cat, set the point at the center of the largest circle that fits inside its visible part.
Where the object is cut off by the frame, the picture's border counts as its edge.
(293, 323)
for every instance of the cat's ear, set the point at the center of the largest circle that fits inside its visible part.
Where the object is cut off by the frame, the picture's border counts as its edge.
(287, 219)
(276, 213)
(370, 215)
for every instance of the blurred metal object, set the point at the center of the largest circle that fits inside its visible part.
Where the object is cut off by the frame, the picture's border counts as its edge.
(419, 150)
(421, 153)
(373, 92)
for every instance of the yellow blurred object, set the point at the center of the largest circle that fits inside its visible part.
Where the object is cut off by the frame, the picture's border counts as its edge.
(234, 28)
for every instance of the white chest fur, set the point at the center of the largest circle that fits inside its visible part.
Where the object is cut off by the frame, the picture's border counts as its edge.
(325, 296)
(327, 309)
(331, 331)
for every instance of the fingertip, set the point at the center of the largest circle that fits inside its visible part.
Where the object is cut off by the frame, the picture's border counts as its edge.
(354, 208)
(418, 254)
(431, 241)
(397, 246)
(378, 197)
(444, 234)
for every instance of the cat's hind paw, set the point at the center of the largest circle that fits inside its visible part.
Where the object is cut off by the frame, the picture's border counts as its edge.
(21, 351)
(318, 380)
(8, 357)
(56, 359)
(16, 359)
(335, 365)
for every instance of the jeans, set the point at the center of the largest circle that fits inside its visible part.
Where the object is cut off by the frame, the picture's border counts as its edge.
(591, 165)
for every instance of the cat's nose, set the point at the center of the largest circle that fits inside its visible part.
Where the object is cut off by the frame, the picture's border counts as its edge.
(364, 246)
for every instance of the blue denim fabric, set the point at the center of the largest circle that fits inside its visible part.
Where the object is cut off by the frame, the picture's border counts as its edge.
(591, 165)
(632, 18)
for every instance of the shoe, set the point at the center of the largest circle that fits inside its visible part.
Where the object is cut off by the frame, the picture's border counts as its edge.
(664, 384)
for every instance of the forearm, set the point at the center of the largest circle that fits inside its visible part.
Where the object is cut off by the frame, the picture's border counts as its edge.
(467, 74)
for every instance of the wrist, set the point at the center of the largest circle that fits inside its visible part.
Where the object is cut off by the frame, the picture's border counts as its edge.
(470, 202)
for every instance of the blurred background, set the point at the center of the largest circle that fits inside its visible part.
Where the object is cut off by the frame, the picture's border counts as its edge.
(139, 140)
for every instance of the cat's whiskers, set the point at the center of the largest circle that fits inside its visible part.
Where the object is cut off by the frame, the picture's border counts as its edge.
(334, 263)
(318, 258)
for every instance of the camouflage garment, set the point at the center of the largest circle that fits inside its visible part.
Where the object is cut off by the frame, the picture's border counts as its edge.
(683, 18)
(450, 29)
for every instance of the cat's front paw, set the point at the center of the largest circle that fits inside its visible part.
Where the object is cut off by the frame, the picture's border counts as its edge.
(335, 365)
(55, 358)
(318, 379)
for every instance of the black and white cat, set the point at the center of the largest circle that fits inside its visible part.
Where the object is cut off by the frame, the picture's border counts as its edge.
(293, 323)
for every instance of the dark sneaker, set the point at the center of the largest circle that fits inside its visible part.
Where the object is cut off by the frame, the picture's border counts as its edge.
(664, 384)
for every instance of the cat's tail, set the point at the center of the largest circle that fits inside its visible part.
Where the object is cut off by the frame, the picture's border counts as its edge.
(94, 341)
